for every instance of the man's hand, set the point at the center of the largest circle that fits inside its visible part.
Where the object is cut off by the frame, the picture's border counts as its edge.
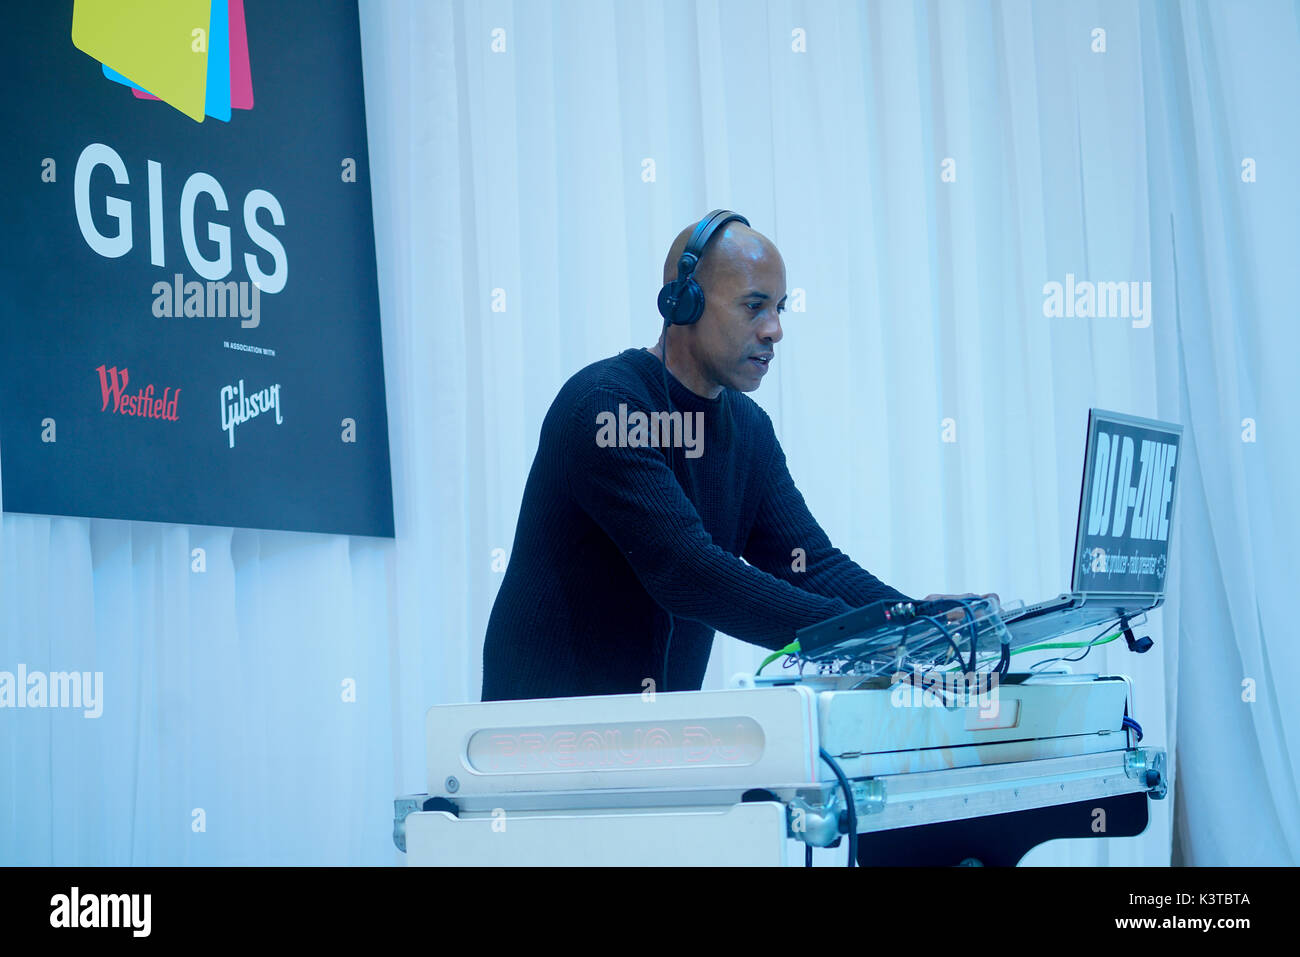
(956, 616)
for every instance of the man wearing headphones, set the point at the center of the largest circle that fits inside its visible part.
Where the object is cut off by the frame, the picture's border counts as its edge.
(635, 545)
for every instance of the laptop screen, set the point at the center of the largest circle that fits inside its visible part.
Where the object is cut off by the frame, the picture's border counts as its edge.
(1126, 506)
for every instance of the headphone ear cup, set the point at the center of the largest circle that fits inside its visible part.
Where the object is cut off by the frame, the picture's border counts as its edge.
(666, 308)
(690, 304)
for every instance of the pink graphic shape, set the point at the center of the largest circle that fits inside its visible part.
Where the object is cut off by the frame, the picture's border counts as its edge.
(241, 76)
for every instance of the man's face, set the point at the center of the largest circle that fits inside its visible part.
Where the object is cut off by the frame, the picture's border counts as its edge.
(734, 341)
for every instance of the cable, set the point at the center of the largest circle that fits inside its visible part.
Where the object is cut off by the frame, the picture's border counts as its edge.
(1038, 666)
(790, 649)
(974, 635)
(969, 619)
(1068, 644)
(1137, 728)
(1003, 665)
(947, 634)
(848, 800)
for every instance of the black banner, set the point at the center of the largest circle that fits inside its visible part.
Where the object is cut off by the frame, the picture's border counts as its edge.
(190, 321)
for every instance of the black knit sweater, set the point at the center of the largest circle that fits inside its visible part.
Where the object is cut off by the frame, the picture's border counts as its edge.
(611, 539)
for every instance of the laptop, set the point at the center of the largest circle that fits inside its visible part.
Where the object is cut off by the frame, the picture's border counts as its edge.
(1121, 540)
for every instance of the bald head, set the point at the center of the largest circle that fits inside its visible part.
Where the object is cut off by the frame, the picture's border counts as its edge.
(732, 341)
(729, 248)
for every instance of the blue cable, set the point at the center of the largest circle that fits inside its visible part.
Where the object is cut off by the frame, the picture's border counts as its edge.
(1137, 728)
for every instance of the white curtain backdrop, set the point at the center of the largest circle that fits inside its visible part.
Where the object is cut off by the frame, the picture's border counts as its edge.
(547, 177)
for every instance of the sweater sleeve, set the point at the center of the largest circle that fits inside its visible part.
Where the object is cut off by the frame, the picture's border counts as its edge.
(635, 498)
(784, 524)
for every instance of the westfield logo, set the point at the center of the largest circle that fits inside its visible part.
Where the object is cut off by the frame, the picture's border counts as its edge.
(113, 385)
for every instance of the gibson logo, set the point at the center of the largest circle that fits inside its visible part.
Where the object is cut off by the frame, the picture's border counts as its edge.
(238, 411)
(113, 383)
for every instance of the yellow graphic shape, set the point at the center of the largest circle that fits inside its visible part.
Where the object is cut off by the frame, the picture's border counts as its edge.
(152, 43)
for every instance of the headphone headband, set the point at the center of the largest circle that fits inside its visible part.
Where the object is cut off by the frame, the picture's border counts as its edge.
(704, 231)
(681, 301)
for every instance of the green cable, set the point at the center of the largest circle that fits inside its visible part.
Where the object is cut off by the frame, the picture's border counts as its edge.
(790, 649)
(1068, 644)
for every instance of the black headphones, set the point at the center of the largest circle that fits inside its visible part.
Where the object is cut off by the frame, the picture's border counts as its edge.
(681, 302)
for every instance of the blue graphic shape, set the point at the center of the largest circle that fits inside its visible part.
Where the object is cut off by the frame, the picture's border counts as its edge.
(217, 104)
